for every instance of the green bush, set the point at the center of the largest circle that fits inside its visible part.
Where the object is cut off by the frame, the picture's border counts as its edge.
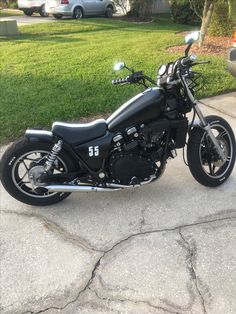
(182, 13)
(12, 5)
(141, 8)
(221, 24)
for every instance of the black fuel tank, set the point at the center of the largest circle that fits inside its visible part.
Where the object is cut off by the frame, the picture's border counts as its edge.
(142, 108)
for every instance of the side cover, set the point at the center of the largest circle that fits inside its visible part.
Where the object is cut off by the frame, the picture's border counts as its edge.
(144, 107)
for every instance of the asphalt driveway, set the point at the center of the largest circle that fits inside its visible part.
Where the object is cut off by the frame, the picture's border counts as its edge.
(169, 247)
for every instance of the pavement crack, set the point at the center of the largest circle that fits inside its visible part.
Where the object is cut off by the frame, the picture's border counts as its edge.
(191, 268)
(142, 222)
(57, 229)
(122, 300)
(104, 253)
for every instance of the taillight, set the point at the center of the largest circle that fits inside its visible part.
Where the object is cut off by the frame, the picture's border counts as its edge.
(64, 1)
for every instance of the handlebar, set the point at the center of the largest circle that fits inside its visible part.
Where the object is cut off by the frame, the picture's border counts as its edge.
(119, 81)
(132, 78)
(188, 60)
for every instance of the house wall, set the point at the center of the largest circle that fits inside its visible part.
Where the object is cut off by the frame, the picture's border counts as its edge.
(161, 6)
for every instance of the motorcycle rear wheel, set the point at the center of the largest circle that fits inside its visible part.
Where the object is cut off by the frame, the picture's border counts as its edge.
(20, 158)
(204, 163)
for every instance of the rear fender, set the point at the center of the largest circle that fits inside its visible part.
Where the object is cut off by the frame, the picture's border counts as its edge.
(33, 135)
(39, 136)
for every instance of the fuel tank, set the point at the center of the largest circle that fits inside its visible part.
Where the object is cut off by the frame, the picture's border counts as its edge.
(144, 107)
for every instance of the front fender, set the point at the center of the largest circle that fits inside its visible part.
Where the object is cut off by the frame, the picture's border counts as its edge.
(195, 124)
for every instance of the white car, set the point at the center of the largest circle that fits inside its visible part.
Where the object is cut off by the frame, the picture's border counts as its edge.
(79, 8)
(31, 6)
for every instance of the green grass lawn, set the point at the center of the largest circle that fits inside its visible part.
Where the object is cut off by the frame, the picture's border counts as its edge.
(9, 12)
(63, 70)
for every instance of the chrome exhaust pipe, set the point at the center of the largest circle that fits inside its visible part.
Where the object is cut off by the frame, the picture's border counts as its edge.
(67, 188)
(77, 188)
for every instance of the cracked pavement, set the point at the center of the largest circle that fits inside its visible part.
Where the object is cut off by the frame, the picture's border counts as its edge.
(169, 247)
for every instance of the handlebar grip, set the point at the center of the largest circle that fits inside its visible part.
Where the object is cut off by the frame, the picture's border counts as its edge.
(188, 60)
(119, 81)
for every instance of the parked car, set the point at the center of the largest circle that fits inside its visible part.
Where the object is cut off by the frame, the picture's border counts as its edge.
(31, 6)
(80, 8)
(231, 60)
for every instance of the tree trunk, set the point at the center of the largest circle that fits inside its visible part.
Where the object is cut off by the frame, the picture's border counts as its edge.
(206, 19)
(232, 9)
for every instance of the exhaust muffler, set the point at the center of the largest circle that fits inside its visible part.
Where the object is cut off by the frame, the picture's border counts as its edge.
(77, 188)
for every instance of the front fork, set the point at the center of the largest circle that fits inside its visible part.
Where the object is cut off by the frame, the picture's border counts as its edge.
(204, 124)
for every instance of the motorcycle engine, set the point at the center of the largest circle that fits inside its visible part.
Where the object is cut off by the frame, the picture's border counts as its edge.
(134, 155)
(126, 167)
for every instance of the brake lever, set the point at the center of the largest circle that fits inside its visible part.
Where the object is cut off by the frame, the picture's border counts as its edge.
(200, 62)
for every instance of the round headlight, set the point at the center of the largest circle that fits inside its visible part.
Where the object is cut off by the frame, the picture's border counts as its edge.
(162, 69)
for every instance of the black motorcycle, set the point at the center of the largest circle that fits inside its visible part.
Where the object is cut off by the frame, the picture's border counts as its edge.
(130, 148)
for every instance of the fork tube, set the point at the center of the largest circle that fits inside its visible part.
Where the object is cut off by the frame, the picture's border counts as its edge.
(205, 125)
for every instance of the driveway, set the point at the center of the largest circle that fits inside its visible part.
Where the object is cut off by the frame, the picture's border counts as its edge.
(27, 20)
(169, 247)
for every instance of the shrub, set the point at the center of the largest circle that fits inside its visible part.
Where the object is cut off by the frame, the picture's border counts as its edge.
(140, 8)
(221, 24)
(12, 5)
(182, 13)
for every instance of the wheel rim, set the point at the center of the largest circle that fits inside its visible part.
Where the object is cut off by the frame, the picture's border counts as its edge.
(78, 13)
(109, 12)
(22, 166)
(211, 164)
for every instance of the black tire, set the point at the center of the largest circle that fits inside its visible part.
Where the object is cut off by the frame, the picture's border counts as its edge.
(14, 161)
(28, 12)
(109, 12)
(78, 13)
(43, 12)
(204, 163)
(57, 16)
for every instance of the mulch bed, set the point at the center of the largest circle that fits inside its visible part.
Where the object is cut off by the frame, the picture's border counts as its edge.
(213, 45)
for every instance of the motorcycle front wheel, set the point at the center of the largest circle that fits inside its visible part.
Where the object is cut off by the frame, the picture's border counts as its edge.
(24, 159)
(204, 163)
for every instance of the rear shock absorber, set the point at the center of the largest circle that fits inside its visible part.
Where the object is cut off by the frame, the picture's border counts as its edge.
(52, 156)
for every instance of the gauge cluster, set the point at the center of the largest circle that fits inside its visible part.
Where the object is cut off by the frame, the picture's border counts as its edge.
(165, 71)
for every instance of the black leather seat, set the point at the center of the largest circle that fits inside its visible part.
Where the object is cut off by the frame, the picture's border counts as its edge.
(76, 134)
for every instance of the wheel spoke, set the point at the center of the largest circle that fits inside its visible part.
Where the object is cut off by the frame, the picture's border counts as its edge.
(21, 183)
(23, 161)
(213, 168)
(31, 159)
(24, 175)
(222, 134)
(210, 168)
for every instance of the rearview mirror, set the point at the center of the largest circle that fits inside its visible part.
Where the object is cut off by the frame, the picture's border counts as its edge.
(119, 66)
(190, 38)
